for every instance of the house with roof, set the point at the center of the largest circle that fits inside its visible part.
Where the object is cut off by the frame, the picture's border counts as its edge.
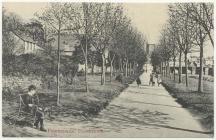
(68, 42)
(24, 44)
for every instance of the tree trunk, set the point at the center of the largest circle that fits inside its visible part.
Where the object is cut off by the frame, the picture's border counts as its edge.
(161, 67)
(162, 71)
(111, 66)
(180, 67)
(200, 83)
(186, 69)
(114, 68)
(103, 70)
(86, 63)
(166, 68)
(134, 67)
(120, 65)
(126, 68)
(58, 68)
(130, 69)
(71, 77)
(92, 69)
(174, 61)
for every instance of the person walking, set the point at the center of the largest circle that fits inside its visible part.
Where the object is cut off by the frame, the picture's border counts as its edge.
(159, 80)
(138, 81)
(151, 79)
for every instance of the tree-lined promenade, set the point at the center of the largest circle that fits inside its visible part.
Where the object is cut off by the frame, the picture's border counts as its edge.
(87, 66)
(190, 26)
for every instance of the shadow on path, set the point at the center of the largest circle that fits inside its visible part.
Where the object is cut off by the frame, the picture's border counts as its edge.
(116, 118)
(130, 101)
(130, 91)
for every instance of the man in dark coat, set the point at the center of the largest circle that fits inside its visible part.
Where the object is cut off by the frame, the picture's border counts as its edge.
(31, 102)
(138, 81)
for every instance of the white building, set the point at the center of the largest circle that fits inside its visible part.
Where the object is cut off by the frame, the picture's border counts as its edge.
(25, 44)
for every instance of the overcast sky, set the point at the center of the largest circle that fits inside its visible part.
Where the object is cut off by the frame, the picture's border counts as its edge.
(148, 18)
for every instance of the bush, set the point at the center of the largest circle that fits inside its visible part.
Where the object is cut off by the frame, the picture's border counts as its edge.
(27, 64)
(13, 85)
(30, 64)
(6, 93)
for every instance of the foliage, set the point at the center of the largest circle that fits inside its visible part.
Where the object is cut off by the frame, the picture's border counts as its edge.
(10, 22)
(27, 64)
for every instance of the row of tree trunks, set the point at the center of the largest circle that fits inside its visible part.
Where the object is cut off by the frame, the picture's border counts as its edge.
(128, 68)
(166, 72)
(167, 69)
(196, 27)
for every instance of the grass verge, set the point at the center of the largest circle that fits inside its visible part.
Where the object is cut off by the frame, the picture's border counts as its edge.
(201, 105)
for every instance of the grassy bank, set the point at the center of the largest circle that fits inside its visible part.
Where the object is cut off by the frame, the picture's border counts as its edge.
(76, 104)
(201, 105)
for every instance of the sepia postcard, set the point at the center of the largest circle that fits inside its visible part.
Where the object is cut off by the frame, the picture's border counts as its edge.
(107, 69)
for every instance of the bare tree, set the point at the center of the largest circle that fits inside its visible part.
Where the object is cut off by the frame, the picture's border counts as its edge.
(54, 17)
(82, 18)
(192, 23)
(178, 29)
(199, 40)
(104, 33)
(200, 25)
(115, 26)
(188, 32)
(204, 18)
